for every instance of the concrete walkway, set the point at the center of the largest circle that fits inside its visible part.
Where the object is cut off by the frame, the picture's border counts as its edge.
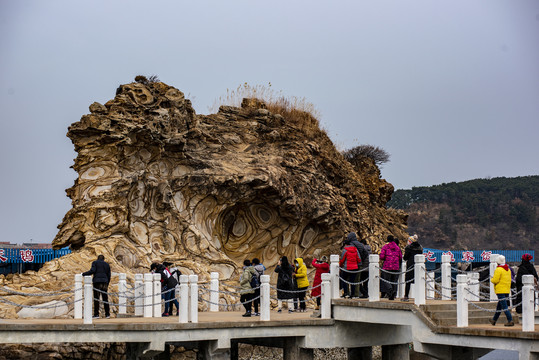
(356, 324)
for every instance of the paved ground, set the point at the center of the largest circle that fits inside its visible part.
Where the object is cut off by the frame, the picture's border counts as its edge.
(203, 317)
(235, 317)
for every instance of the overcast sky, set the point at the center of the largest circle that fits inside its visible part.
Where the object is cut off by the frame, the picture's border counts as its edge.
(449, 88)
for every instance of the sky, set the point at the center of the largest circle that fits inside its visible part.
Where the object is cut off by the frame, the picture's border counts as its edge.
(449, 88)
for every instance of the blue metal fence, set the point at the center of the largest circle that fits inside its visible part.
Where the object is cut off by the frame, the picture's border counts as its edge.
(471, 256)
(26, 255)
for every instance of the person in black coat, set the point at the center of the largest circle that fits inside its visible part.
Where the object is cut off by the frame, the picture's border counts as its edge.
(525, 268)
(101, 279)
(285, 282)
(410, 251)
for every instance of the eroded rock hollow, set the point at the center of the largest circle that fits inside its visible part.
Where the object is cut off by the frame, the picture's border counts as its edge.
(158, 182)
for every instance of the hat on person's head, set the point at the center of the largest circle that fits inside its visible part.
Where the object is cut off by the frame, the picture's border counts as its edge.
(167, 263)
(412, 239)
(500, 260)
(351, 237)
(527, 257)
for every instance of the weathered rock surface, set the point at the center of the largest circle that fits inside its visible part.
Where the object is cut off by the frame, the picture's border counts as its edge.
(112, 351)
(48, 310)
(158, 182)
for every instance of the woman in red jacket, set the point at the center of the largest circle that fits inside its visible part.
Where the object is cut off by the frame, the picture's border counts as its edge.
(349, 263)
(322, 267)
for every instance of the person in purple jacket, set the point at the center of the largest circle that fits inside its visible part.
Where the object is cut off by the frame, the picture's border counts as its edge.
(391, 255)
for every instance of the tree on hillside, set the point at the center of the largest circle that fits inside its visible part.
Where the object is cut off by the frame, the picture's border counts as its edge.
(482, 213)
(356, 154)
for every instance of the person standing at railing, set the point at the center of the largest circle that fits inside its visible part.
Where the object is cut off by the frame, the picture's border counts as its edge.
(285, 284)
(352, 237)
(321, 267)
(260, 268)
(502, 288)
(300, 273)
(364, 277)
(168, 284)
(171, 296)
(246, 289)
(525, 268)
(391, 255)
(412, 249)
(349, 262)
(101, 279)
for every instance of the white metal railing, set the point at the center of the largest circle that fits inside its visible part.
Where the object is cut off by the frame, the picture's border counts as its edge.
(145, 295)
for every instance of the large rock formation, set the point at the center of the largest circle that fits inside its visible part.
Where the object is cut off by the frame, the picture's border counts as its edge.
(158, 182)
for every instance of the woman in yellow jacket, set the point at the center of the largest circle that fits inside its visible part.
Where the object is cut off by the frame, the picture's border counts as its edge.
(502, 288)
(300, 274)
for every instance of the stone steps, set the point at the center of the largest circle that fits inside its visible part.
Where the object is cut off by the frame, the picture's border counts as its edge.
(445, 314)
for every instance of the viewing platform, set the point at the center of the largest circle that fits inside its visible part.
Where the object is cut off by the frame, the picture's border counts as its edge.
(390, 324)
(444, 319)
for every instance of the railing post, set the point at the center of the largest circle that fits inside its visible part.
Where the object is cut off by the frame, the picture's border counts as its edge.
(139, 293)
(214, 292)
(325, 293)
(264, 298)
(335, 281)
(193, 298)
(419, 279)
(462, 303)
(148, 295)
(402, 280)
(88, 299)
(78, 297)
(474, 287)
(122, 299)
(184, 299)
(446, 277)
(528, 317)
(431, 284)
(157, 295)
(374, 277)
(493, 266)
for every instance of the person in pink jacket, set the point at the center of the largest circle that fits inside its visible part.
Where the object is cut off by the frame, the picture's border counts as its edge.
(391, 255)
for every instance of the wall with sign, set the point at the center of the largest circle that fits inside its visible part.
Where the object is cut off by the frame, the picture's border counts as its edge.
(22, 259)
(472, 256)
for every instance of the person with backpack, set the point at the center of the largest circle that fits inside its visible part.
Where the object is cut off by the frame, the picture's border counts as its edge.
(175, 273)
(349, 262)
(391, 255)
(364, 278)
(300, 274)
(260, 268)
(248, 282)
(168, 284)
(285, 283)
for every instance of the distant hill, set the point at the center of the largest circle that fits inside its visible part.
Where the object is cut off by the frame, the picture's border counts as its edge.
(497, 213)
